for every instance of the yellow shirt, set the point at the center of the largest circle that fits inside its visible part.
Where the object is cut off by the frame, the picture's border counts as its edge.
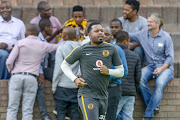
(72, 23)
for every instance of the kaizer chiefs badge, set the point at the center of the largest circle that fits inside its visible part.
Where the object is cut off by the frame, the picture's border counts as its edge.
(105, 53)
(90, 106)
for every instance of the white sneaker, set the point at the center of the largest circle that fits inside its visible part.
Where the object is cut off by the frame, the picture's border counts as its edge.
(67, 118)
(55, 112)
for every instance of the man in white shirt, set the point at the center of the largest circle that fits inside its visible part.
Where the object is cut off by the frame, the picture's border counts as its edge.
(12, 30)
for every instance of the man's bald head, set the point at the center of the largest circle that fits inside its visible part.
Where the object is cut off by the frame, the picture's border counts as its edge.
(69, 33)
(32, 29)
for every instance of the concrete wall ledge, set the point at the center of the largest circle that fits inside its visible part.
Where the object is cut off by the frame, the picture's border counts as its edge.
(91, 2)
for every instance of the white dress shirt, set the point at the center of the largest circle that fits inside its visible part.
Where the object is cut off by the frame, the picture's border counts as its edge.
(11, 31)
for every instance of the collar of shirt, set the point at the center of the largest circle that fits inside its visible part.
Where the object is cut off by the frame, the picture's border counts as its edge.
(33, 37)
(2, 20)
(72, 23)
(41, 37)
(39, 17)
(158, 35)
(113, 41)
(86, 37)
(124, 47)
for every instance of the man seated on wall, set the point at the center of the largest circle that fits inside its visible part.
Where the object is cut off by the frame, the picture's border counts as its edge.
(12, 30)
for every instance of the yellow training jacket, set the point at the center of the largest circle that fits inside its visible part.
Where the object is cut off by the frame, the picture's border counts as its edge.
(72, 23)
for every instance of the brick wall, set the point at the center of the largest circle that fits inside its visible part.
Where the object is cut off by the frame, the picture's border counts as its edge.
(106, 10)
(91, 2)
(170, 104)
(169, 107)
(103, 10)
(4, 101)
(105, 14)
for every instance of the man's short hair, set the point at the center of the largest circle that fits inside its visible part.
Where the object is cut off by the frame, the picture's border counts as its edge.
(77, 8)
(122, 36)
(116, 20)
(108, 29)
(44, 22)
(41, 5)
(33, 28)
(90, 26)
(3, 2)
(134, 3)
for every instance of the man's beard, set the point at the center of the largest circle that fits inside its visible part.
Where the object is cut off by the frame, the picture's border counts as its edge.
(6, 17)
(114, 35)
(99, 42)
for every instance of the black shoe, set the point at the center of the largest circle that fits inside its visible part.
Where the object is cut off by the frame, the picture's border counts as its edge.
(47, 118)
(147, 118)
(156, 111)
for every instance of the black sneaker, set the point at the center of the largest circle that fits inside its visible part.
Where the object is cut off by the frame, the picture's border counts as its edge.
(156, 111)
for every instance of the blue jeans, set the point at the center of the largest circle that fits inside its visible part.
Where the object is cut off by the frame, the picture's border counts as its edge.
(114, 96)
(40, 97)
(4, 74)
(152, 100)
(125, 108)
(139, 50)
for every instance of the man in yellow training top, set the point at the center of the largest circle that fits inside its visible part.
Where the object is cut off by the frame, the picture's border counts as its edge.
(77, 21)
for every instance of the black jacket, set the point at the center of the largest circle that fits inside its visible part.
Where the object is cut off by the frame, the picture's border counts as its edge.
(130, 83)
